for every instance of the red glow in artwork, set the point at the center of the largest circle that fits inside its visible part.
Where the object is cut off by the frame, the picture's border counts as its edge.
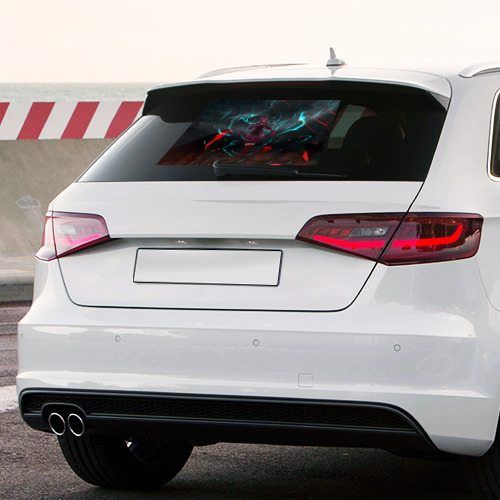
(217, 137)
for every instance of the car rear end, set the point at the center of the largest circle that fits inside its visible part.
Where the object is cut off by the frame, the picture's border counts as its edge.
(312, 300)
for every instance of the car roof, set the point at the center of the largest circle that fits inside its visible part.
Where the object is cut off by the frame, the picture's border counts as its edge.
(432, 76)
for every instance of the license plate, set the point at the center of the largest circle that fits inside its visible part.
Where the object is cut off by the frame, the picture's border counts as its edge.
(208, 267)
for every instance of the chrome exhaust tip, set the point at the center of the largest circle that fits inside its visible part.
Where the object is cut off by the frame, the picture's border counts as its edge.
(57, 424)
(76, 425)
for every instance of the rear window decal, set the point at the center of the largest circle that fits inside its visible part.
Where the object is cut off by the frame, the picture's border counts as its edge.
(273, 132)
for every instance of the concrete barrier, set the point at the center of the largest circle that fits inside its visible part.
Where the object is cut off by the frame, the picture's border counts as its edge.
(32, 173)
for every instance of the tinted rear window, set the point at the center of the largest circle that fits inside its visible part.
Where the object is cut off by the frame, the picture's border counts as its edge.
(346, 131)
(495, 146)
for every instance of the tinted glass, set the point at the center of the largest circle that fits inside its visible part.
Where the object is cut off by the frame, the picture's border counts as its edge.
(349, 131)
(495, 143)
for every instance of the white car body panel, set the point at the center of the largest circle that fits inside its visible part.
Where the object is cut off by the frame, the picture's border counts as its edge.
(231, 209)
(233, 215)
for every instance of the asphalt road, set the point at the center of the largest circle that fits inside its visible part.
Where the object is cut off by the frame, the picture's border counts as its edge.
(31, 465)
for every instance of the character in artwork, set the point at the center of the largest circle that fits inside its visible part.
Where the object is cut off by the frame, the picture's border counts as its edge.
(256, 133)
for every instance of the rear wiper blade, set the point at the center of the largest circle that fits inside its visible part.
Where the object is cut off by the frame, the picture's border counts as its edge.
(222, 169)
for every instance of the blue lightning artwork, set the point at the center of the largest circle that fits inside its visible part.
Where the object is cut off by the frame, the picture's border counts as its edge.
(263, 132)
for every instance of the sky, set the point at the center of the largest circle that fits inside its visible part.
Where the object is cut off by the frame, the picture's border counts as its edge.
(166, 41)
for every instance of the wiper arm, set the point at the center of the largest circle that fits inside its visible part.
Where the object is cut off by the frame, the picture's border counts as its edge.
(222, 169)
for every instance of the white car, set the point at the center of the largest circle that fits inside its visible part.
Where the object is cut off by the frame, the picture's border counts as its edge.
(280, 254)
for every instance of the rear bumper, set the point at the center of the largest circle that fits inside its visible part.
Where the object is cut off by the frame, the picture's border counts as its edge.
(207, 419)
(426, 343)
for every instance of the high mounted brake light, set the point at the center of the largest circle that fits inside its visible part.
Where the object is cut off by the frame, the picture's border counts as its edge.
(66, 233)
(395, 239)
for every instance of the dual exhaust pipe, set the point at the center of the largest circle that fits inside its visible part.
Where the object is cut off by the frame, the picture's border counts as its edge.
(73, 423)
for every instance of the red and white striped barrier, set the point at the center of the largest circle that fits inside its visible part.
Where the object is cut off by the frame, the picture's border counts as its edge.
(66, 120)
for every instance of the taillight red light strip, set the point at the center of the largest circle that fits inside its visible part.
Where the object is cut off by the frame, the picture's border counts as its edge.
(430, 242)
(395, 239)
(67, 233)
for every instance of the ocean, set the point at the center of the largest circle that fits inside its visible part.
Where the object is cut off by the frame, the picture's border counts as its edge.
(30, 92)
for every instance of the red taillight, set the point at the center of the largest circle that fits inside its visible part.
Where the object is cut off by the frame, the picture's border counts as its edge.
(365, 234)
(66, 233)
(434, 238)
(398, 239)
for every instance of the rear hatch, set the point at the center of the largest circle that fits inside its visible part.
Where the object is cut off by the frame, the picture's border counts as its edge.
(204, 197)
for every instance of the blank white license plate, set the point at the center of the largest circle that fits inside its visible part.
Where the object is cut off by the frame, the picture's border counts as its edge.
(208, 267)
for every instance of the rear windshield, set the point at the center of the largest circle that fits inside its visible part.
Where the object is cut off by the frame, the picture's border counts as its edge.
(284, 132)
